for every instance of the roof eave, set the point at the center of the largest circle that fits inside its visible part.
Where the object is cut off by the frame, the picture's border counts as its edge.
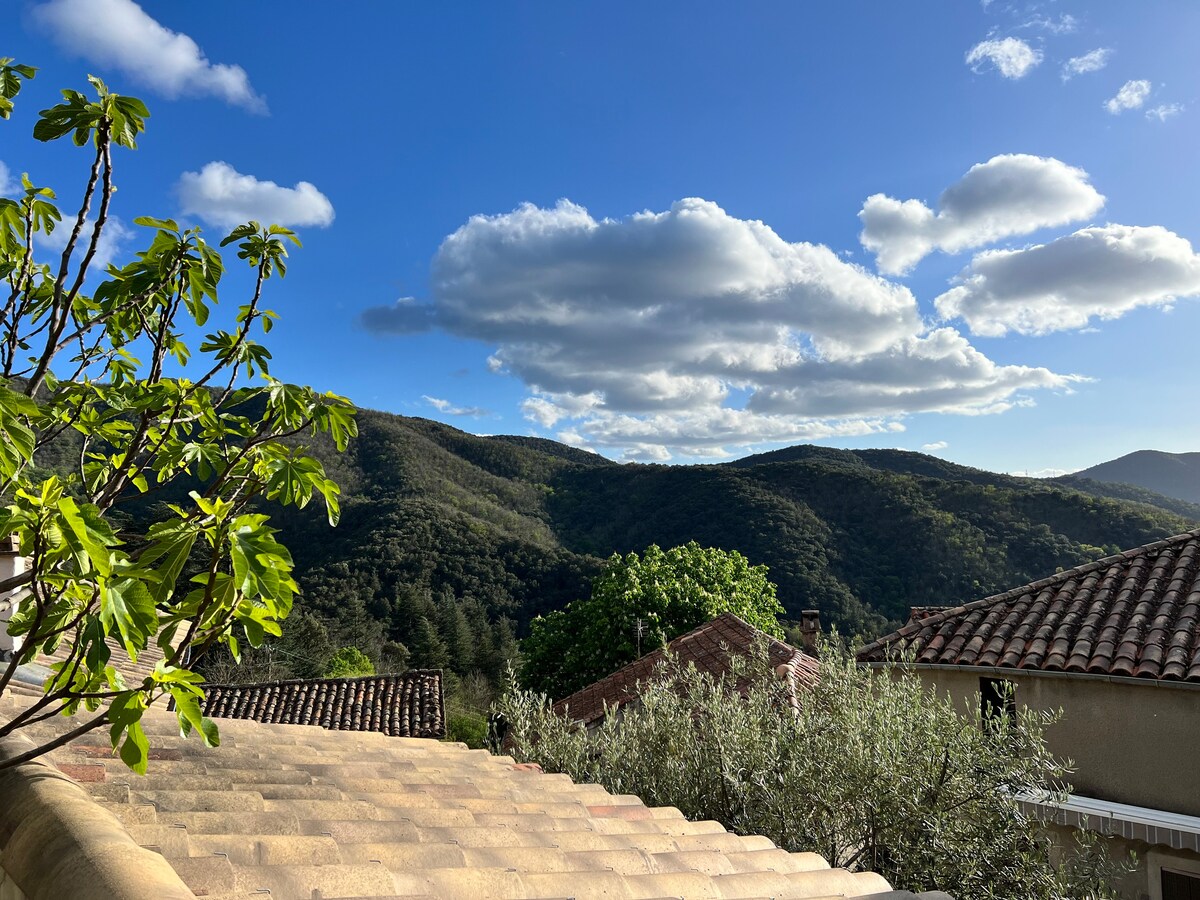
(1011, 672)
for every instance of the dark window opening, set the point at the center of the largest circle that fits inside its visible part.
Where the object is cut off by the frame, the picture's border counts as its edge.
(1177, 886)
(997, 703)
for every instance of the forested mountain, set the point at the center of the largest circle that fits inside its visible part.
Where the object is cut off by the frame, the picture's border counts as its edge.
(1171, 474)
(449, 543)
(1119, 491)
(507, 527)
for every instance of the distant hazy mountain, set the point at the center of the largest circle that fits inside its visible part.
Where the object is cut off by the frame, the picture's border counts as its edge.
(1172, 474)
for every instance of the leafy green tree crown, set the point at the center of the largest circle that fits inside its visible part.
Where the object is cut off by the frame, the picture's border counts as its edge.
(349, 662)
(638, 604)
(85, 357)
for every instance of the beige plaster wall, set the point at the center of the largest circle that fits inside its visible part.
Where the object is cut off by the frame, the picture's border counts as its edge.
(1130, 743)
(10, 564)
(1144, 880)
(8, 888)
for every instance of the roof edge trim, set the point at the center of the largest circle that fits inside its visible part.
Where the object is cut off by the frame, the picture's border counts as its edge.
(1010, 672)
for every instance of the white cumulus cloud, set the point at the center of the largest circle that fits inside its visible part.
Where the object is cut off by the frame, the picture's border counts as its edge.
(8, 184)
(1131, 96)
(119, 33)
(1008, 195)
(934, 447)
(1164, 111)
(1064, 24)
(695, 331)
(449, 409)
(221, 195)
(1100, 272)
(1011, 57)
(1092, 61)
(646, 453)
(547, 410)
(112, 243)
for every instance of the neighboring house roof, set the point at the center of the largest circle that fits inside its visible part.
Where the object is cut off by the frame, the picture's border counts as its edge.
(299, 812)
(710, 648)
(406, 705)
(1136, 614)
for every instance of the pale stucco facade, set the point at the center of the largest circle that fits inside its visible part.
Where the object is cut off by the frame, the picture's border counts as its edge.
(8, 888)
(11, 563)
(1131, 741)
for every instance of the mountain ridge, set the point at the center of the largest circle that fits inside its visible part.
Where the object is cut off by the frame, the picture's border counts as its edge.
(520, 524)
(1174, 475)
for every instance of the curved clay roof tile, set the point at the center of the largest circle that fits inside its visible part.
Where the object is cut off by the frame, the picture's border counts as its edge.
(343, 704)
(1136, 613)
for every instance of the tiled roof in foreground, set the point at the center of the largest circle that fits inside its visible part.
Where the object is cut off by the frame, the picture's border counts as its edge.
(292, 812)
(1136, 614)
(406, 705)
(710, 648)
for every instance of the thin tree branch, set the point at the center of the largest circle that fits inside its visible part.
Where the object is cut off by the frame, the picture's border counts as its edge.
(59, 310)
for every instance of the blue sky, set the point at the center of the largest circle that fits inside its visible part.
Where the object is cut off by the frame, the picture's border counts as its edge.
(645, 228)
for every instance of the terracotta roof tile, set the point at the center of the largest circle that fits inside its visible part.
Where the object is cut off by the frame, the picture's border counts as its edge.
(710, 648)
(407, 705)
(1133, 614)
(295, 811)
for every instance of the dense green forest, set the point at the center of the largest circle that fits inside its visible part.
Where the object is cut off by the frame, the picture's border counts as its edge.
(449, 543)
(517, 526)
(1124, 491)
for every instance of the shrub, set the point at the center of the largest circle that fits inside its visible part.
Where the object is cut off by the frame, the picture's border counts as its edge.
(873, 772)
(349, 662)
(467, 726)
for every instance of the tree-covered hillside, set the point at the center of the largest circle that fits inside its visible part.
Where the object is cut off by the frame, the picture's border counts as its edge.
(517, 526)
(1118, 491)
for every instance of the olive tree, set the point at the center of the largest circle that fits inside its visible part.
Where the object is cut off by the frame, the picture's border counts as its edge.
(872, 772)
(638, 604)
(86, 358)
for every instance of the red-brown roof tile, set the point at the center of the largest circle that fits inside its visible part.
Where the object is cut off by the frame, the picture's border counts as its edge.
(407, 705)
(1134, 614)
(710, 648)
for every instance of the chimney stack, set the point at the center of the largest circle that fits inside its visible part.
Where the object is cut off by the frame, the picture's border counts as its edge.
(810, 630)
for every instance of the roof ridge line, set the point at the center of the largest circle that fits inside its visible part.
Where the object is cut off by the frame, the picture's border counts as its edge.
(253, 684)
(645, 666)
(1031, 587)
(659, 651)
